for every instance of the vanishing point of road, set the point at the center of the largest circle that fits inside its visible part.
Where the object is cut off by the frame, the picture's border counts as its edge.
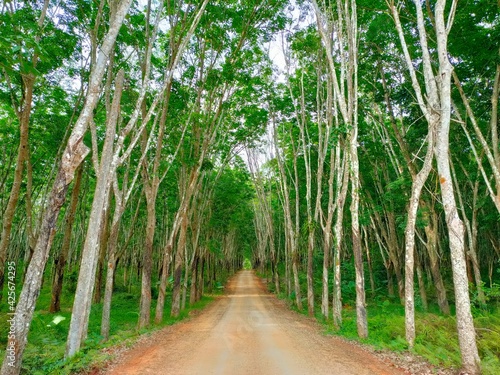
(248, 331)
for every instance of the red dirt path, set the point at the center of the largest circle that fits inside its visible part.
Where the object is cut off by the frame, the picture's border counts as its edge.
(248, 332)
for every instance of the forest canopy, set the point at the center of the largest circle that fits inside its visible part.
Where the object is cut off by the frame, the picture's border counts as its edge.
(347, 149)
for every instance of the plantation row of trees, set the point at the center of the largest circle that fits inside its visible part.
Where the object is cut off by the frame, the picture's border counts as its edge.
(383, 152)
(127, 125)
(122, 122)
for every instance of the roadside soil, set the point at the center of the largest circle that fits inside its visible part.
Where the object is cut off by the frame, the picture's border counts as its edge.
(248, 331)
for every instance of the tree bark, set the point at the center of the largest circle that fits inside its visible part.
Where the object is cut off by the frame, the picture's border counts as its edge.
(103, 245)
(179, 263)
(465, 323)
(86, 277)
(73, 155)
(289, 230)
(60, 262)
(432, 251)
(471, 228)
(338, 234)
(147, 261)
(23, 114)
(416, 189)
(421, 284)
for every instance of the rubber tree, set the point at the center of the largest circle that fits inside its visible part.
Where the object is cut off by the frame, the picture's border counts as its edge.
(221, 71)
(343, 19)
(263, 215)
(73, 155)
(436, 108)
(22, 103)
(184, 29)
(113, 155)
(291, 226)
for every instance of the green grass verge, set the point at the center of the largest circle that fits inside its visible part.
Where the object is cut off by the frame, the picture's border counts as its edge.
(44, 353)
(436, 338)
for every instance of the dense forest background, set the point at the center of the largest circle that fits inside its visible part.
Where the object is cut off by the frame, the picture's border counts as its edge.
(347, 149)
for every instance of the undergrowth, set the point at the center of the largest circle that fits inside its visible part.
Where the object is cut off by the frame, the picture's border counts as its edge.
(44, 353)
(436, 336)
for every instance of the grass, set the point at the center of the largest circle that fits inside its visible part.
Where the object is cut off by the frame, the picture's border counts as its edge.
(436, 336)
(44, 353)
(436, 339)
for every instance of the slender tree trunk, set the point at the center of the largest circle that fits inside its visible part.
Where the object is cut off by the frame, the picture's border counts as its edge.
(327, 245)
(193, 294)
(301, 119)
(108, 289)
(23, 114)
(421, 284)
(185, 284)
(60, 262)
(22, 156)
(369, 261)
(86, 277)
(465, 323)
(121, 199)
(200, 280)
(102, 257)
(147, 264)
(431, 246)
(338, 234)
(73, 155)
(165, 272)
(416, 189)
(30, 229)
(361, 316)
(296, 234)
(289, 230)
(471, 228)
(344, 22)
(179, 263)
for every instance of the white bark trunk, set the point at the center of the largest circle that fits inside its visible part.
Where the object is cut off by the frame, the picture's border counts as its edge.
(86, 277)
(73, 155)
(416, 189)
(465, 323)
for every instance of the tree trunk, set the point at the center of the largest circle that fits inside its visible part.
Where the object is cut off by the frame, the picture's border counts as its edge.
(416, 190)
(60, 262)
(327, 245)
(465, 323)
(147, 263)
(369, 261)
(185, 285)
(193, 294)
(361, 316)
(111, 266)
(289, 230)
(23, 114)
(431, 246)
(165, 271)
(22, 156)
(86, 277)
(108, 294)
(338, 234)
(102, 257)
(179, 263)
(73, 155)
(199, 289)
(301, 119)
(471, 228)
(421, 285)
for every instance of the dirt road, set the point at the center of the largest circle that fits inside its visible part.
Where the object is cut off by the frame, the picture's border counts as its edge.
(248, 332)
